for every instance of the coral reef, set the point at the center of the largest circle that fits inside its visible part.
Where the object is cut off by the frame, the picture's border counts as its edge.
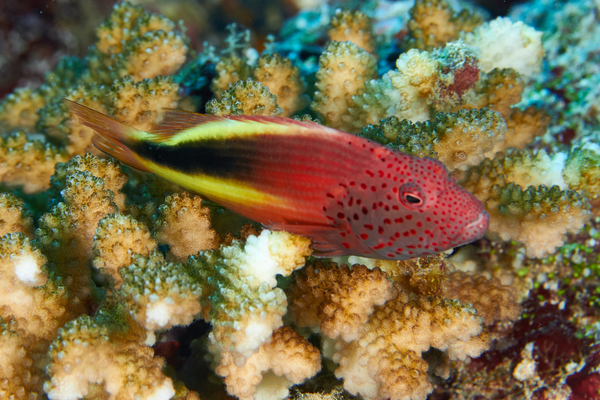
(116, 284)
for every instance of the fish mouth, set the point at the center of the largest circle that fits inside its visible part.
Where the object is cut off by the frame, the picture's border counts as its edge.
(473, 230)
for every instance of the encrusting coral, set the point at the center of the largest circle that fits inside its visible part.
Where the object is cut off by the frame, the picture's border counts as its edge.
(108, 273)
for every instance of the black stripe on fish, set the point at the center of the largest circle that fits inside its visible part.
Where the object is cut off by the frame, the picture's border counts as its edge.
(216, 158)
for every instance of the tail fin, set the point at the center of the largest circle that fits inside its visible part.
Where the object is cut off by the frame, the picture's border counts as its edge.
(112, 137)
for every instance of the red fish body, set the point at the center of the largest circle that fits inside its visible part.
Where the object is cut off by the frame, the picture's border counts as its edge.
(350, 195)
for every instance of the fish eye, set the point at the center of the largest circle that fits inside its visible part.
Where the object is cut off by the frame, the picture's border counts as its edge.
(412, 199)
(411, 196)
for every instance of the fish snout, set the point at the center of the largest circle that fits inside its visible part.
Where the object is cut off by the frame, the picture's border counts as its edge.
(473, 230)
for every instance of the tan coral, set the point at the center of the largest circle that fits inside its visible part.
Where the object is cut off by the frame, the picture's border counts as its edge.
(66, 233)
(118, 238)
(433, 23)
(385, 361)
(404, 92)
(28, 298)
(28, 164)
(18, 109)
(105, 353)
(154, 53)
(159, 294)
(14, 217)
(107, 170)
(230, 70)
(523, 126)
(245, 98)
(352, 26)
(140, 104)
(499, 90)
(339, 300)
(457, 139)
(521, 167)
(493, 300)
(288, 359)
(80, 136)
(20, 377)
(344, 69)
(184, 224)
(538, 217)
(283, 80)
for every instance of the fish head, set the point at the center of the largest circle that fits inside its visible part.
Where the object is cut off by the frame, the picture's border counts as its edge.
(409, 207)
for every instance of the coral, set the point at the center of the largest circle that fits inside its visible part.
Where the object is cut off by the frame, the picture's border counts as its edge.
(245, 98)
(32, 301)
(522, 127)
(184, 224)
(159, 294)
(492, 300)
(465, 92)
(244, 303)
(502, 43)
(14, 216)
(140, 103)
(582, 169)
(118, 237)
(458, 140)
(19, 108)
(107, 170)
(352, 26)
(385, 362)
(286, 360)
(283, 80)
(344, 69)
(66, 233)
(538, 217)
(433, 23)
(138, 44)
(520, 167)
(109, 357)
(338, 300)
(28, 164)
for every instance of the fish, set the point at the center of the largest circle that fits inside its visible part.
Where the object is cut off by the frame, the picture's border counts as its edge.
(350, 195)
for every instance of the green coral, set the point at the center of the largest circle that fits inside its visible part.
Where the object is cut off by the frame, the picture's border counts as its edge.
(245, 98)
(457, 139)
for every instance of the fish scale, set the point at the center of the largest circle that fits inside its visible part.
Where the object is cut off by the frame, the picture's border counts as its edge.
(350, 195)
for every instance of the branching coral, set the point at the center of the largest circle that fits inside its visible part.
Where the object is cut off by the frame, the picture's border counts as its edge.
(385, 362)
(434, 23)
(339, 300)
(502, 43)
(286, 360)
(245, 304)
(283, 80)
(159, 294)
(110, 356)
(118, 237)
(538, 217)
(184, 224)
(458, 140)
(344, 69)
(28, 164)
(14, 216)
(245, 98)
(492, 300)
(352, 26)
(136, 43)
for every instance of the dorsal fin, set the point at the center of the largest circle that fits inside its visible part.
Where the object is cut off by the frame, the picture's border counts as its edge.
(176, 121)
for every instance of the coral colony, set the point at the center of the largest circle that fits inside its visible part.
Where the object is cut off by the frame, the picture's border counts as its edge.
(118, 284)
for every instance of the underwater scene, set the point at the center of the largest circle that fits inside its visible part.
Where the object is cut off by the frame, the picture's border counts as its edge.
(300, 199)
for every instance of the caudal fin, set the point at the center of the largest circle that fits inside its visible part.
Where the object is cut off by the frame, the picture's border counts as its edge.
(112, 137)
